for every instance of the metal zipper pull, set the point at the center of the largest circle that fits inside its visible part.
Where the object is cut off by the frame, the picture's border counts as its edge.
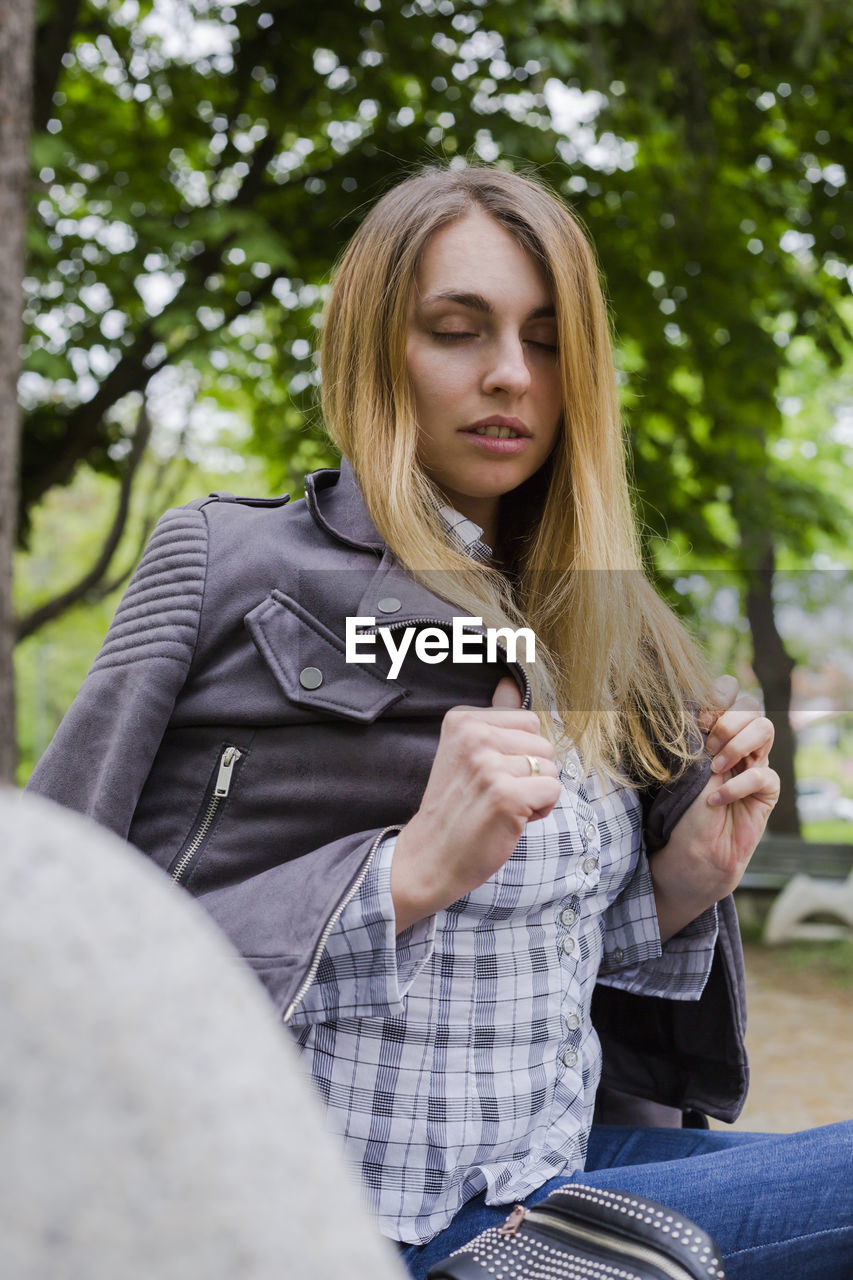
(513, 1222)
(230, 756)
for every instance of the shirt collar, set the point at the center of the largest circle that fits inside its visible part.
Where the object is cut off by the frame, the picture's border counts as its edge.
(465, 533)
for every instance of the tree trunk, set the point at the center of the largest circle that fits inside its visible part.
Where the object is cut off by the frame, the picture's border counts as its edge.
(16, 55)
(773, 667)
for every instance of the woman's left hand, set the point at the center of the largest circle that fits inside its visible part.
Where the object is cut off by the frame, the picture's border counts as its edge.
(711, 844)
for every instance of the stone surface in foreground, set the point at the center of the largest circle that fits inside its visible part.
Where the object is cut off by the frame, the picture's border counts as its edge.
(155, 1122)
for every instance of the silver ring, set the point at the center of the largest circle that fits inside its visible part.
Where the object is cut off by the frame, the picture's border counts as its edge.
(534, 765)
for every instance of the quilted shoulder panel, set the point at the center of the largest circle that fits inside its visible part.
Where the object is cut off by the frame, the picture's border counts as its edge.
(159, 613)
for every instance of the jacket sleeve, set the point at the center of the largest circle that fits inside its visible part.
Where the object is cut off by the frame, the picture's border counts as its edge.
(367, 968)
(687, 1054)
(102, 752)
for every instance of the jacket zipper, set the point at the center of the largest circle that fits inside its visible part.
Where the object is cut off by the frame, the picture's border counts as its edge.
(222, 786)
(442, 622)
(333, 920)
(604, 1239)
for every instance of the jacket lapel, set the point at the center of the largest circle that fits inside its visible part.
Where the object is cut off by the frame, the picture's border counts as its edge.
(392, 595)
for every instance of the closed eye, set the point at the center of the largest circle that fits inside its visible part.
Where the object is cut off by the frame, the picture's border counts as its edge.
(456, 336)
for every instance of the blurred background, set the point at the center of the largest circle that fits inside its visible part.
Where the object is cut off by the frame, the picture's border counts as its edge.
(195, 167)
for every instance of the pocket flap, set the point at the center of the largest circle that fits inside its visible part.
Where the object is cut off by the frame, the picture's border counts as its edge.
(309, 663)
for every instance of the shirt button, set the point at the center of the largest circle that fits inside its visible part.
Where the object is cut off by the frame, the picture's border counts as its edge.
(590, 831)
(572, 769)
(572, 1021)
(589, 865)
(618, 955)
(389, 604)
(570, 1058)
(310, 677)
(568, 945)
(568, 917)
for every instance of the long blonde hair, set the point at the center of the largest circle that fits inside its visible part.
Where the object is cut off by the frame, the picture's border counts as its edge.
(622, 669)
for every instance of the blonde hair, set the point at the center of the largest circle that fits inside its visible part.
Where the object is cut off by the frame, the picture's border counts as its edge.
(624, 673)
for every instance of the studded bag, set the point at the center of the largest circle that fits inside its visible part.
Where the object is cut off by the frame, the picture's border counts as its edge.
(584, 1233)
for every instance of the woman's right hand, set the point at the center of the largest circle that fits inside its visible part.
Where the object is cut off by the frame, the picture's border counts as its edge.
(478, 797)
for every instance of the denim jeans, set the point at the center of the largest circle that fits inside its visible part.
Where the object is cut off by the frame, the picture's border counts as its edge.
(779, 1205)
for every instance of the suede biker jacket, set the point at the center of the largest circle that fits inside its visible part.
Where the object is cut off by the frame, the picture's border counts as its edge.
(222, 732)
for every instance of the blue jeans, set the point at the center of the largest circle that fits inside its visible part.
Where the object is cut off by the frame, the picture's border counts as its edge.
(779, 1205)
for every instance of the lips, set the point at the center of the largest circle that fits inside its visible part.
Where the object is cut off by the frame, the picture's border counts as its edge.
(499, 427)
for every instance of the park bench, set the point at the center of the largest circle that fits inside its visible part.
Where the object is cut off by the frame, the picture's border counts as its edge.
(811, 886)
(778, 858)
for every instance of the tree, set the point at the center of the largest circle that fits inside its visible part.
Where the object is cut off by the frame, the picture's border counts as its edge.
(200, 164)
(16, 28)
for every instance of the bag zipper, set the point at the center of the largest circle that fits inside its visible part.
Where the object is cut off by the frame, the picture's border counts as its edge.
(527, 696)
(227, 760)
(332, 921)
(602, 1239)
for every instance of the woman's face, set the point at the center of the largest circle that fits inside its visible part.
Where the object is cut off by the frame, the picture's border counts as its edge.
(482, 360)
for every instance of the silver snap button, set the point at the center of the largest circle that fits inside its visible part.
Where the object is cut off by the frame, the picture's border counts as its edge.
(572, 1021)
(568, 945)
(389, 604)
(589, 865)
(568, 917)
(618, 955)
(590, 831)
(570, 1058)
(310, 677)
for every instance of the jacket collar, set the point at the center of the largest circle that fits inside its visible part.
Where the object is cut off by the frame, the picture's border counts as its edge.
(336, 502)
(337, 505)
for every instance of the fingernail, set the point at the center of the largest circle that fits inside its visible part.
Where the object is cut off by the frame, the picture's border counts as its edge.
(718, 765)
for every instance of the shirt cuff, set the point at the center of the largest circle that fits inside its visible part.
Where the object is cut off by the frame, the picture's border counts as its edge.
(634, 959)
(681, 970)
(366, 969)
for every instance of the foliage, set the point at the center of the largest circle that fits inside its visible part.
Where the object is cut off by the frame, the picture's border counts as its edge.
(67, 529)
(202, 163)
(198, 164)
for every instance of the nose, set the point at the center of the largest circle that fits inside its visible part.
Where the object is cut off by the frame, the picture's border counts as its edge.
(507, 368)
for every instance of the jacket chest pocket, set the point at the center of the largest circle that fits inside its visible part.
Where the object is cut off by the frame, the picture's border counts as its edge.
(309, 663)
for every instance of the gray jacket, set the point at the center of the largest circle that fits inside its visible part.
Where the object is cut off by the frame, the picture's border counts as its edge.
(223, 733)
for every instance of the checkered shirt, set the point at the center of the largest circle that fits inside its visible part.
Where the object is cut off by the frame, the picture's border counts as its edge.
(459, 1057)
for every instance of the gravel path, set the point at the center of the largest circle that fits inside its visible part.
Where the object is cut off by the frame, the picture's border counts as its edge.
(800, 1043)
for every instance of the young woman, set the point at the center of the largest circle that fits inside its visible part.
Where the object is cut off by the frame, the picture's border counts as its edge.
(489, 895)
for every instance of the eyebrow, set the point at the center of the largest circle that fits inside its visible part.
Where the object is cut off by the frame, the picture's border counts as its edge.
(476, 302)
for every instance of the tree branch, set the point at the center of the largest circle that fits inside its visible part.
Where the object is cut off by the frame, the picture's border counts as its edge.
(159, 500)
(53, 608)
(53, 39)
(81, 425)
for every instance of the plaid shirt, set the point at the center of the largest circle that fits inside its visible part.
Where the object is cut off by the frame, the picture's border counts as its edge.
(459, 1057)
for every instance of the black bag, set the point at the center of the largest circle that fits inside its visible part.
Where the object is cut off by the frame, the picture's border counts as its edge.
(584, 1233)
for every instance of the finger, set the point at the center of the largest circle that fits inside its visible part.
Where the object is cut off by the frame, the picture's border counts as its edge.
(758, 783)
(497, 717)
(512, 743)
(520, 767)
(506, 694)
(726, 688)
(731, 721)
(754, 741)
(535, 796)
